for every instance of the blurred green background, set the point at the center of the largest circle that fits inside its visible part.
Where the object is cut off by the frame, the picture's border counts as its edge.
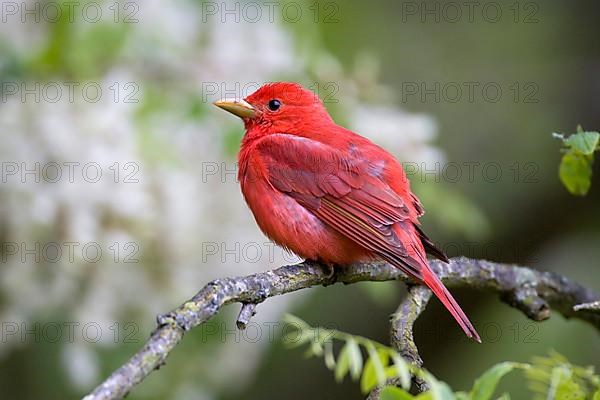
(390, 70)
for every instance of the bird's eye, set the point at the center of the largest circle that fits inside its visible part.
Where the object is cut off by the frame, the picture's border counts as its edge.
(274, 105)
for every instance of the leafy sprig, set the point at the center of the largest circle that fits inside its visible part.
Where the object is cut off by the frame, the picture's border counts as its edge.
(384, 364)
(553, 377)
(575, 169)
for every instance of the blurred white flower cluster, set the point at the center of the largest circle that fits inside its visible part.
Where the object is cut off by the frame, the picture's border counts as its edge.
(167, 198)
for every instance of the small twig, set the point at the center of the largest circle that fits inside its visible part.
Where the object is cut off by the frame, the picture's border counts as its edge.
(593, 306)
(246, 313)
(547, 288)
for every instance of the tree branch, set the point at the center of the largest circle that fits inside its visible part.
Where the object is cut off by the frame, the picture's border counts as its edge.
(402, 322)
(530, 291)
(401, 335)
(401, 329)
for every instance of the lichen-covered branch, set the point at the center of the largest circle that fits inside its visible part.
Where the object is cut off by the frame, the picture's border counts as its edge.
(402, 324)
(403, 320)
(531, 291)
(401, 334)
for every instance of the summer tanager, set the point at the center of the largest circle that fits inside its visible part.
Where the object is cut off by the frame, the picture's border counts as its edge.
(328, 194)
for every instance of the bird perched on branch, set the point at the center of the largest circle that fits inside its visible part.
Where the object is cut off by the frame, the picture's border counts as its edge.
(328, 194)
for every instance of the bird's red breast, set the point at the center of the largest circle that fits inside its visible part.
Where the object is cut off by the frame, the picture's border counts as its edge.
(327, 193)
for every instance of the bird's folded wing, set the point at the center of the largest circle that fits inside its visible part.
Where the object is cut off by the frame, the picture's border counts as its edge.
(343, 192)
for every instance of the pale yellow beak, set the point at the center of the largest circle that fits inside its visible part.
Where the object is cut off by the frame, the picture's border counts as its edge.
(238, 107)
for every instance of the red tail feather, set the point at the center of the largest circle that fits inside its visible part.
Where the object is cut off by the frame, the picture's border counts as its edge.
(438, 288)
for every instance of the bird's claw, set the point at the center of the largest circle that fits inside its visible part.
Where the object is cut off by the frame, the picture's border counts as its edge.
(331, 272)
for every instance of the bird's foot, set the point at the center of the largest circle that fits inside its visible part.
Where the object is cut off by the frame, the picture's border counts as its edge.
(331, 272)
(329, 268)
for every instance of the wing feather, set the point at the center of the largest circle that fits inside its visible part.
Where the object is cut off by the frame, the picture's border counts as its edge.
(343, 192)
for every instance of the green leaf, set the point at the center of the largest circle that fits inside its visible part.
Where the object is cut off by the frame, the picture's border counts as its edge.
(553, 377)
(575, 169)
(315, 349)
(343, 364)
(350, 359)
(442, 392)
(438, 389)
(356, 360)
(485, 385)
(575, 172)
(394, 393)
(564, 386)
(402, 370)
(596, 395)
(369, 379)
(328, 355)
(425, 396)
(583, 142)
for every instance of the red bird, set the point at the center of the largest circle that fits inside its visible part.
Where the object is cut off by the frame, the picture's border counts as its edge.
(328, 194)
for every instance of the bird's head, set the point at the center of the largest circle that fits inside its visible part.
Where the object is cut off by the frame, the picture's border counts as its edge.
(279, 107)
